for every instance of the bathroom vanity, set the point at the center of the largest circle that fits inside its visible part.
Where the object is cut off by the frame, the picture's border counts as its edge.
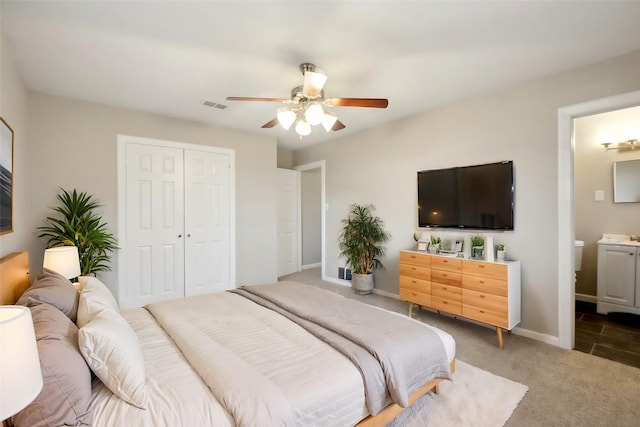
(618, 274)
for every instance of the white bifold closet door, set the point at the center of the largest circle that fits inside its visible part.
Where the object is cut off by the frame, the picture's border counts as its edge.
(177, 223)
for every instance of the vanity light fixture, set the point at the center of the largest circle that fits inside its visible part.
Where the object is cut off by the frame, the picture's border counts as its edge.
(630, 144)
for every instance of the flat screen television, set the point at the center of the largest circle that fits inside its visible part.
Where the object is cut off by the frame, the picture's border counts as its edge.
(475, 197)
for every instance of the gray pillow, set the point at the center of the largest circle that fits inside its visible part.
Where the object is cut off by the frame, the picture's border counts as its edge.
(66, 390)
(54, 289)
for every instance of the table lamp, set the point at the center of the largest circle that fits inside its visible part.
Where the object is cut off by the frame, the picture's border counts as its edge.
(63, 260)
(20, 374)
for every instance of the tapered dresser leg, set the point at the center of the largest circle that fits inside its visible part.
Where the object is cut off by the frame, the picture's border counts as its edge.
(499, 332)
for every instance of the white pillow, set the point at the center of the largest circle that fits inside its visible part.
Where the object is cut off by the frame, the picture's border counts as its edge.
(112, 351)
(94, 297)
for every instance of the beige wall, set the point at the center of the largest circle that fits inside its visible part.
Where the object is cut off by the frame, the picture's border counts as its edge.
(594, 171)
(311, 213)
(285, 158)
(518, 124)
(13, 109)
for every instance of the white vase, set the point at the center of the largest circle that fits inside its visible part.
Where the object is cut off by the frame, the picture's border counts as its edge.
(500, 255)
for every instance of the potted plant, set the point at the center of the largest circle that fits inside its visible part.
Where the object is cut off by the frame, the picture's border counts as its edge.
(434, 247)
(360, 242)
(500, 251)
(477, 246)
(78, 225)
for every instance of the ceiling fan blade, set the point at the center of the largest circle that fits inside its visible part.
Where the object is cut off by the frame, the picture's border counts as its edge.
(270, 123)
(313, 84)
(358, 102)
(241, 98)
(338, 126)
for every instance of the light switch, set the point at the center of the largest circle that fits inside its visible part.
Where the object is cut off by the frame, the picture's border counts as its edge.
(599, 196)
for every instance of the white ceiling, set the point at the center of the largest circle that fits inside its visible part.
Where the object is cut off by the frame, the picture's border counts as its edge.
(168, 57)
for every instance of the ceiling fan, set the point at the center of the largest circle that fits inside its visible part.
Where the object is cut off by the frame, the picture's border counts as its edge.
(308, 106)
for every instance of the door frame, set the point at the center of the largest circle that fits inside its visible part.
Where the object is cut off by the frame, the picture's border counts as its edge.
(121, 176)
(566, 204)
(320, 164)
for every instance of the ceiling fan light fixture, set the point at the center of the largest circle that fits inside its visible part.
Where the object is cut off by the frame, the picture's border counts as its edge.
(328, 120)
(286, 117)
(303, 128)
(314, 113)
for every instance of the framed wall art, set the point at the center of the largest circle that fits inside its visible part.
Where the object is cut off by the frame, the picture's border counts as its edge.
(6, 177)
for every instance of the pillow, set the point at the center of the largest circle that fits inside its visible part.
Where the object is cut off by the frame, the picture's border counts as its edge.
(113, 353)
(54, 289)
(66, 390)
(94, 298)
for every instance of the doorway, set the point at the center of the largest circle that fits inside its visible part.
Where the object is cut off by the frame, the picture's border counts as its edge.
(566, 205)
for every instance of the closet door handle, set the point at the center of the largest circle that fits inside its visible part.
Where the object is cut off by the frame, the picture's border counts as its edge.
(179, 236)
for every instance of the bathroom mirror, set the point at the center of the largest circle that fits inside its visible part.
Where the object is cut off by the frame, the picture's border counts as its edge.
(626, 181)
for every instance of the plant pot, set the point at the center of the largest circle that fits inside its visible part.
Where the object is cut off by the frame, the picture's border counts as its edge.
(500, 255)
(477, 252)
(362, 284)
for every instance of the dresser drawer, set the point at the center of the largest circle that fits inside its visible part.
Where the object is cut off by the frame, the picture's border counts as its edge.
(485, 269)
(416, 297)
(415, 284)
(446, 278)
(447, 292)
(495, 303)
(414, 271)
(449, 264)
(413, 258)
(485, 315)
(484, 284)
(450, 306)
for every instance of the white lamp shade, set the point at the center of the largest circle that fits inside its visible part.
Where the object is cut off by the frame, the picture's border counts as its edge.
(63, 260)
(314, 113)
(303, 128)
(313, 84)
(286, 117)
(20, 374)
(328, 121)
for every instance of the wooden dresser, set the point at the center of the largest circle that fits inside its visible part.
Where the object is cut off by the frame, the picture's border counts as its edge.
(487, 292)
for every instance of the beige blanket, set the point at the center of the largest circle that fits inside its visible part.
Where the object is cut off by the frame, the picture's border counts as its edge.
(396, 356)
(262, 368)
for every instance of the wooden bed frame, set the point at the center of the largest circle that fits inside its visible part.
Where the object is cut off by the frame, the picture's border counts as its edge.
(14, 279)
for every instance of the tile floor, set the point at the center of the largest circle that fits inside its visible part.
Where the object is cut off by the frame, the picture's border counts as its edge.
(615, 336)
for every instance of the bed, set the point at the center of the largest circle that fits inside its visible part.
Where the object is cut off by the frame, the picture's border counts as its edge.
(275, 354)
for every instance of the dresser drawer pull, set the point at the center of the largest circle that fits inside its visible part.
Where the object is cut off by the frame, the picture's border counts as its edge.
(414, 282)
(482, 296)
(482, 311)
(445, 275)
(445, 302)
(481, 266)
(413, 256)
(482, 282)
(414, 294)
(445, 261)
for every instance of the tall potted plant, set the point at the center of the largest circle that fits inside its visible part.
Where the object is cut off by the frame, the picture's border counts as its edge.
(360, 243)
(78, 225)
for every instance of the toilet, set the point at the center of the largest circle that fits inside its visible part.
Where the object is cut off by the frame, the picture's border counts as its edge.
(578, 255)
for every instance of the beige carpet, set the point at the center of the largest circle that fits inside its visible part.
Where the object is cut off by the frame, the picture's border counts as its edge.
(475, 398)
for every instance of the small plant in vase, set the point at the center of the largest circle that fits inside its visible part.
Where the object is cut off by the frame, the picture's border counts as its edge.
(500, 252)
(434, 247)
(477, 246)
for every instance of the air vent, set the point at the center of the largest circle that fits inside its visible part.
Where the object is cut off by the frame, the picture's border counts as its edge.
(214, 105)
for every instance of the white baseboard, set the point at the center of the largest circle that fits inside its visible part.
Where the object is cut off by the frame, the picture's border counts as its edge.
(586, 298)
(310, 266)
(386, 294)
(337, 281)
(549, 339)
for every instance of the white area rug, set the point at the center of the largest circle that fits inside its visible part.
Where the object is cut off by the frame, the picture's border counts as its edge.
(474, 398)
